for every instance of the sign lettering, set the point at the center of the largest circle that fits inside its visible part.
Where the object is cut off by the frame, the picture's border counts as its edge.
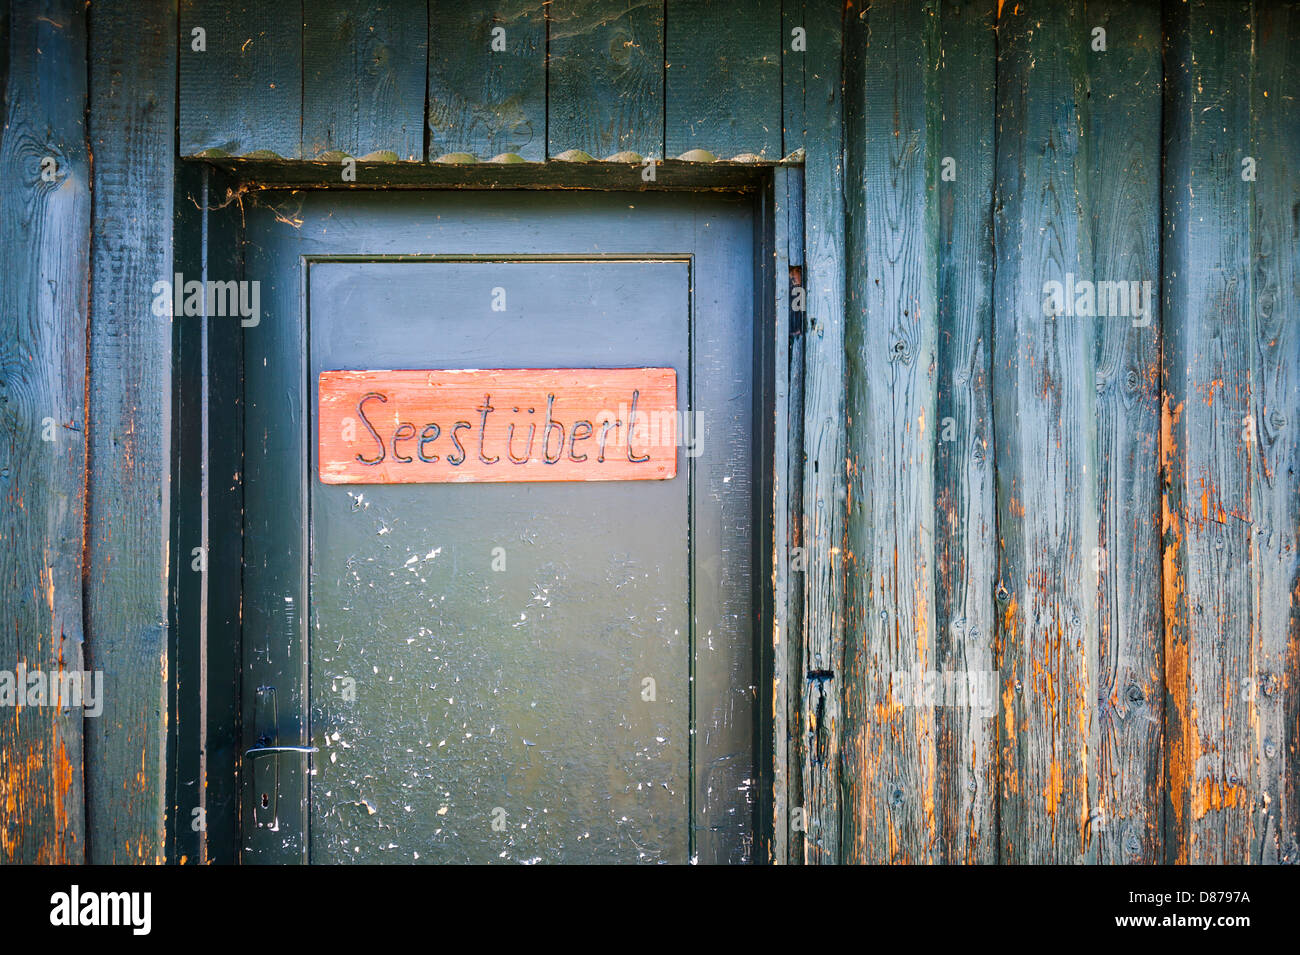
(571, 424)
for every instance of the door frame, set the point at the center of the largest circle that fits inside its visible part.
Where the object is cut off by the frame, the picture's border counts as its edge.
(206, 741)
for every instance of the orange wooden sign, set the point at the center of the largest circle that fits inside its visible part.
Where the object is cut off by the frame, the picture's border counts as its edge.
(570, 424)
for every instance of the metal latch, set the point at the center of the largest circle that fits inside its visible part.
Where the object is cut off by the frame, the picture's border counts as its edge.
(266, 772)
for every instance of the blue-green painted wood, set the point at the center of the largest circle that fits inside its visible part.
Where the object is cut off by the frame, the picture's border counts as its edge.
(243, 91)
(965, 521)
(364, 72)
(723, 83)
(45, 188)
(824, 492)
(1230, 245)
(132, 137)
(487, 80)
(1044, 414)
(1275, 136)
(605, 77)
(293, 629)
(793, 80)
(891, 340)
(1123, 156)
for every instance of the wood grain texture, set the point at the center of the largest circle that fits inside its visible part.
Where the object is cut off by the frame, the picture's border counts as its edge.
(605, 77)
(486, 102)
(796, 739)
(781, 546)
(824, 491)
(891, 239)
(793, 130)
(1044, 412)
(244, 92)
(44, 252)
(965, 520)
(1124, 148)
(132, 135)
(438, 427)
(723, 82)
(1210, 637)
(364, 73)
(1275, 252)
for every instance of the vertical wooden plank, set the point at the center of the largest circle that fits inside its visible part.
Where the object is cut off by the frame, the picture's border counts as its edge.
(364, 72)
(132, 135)
(1275, 251)
(1208, 510)
(44, 250)
(965, 520)
(781, 544)
(794, 49)
(723, 82)
(824, 490)
(243, 92)
(1124, 176)
(780, 519)
(487, 79)
(1044, 413)
(605, 77)
(891, 125)
(796, 746)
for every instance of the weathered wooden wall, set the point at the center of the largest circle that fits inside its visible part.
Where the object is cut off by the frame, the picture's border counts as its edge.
(1102, 509)
(1104, 513)
(511, 81)
(86, 437)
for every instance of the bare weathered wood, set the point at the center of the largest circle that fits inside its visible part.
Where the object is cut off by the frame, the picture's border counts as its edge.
(1123, 155)
(1044, 413)
(723, 84)
(822, 530)
(44, 250)
(605, 77)
(132, 135)
(364, 73)
(487, 79)
(1208, 512)
(965, 520)
(242, 92)
(891, 253)
(1275, 108)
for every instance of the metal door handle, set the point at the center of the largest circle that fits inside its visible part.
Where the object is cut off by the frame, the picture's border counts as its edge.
(256, 751)
(265, 774)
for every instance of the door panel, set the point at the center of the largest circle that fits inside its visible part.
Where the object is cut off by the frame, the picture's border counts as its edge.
(509, 625)
(473, 660)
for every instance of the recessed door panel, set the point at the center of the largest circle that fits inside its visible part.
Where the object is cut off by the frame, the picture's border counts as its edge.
(503, 630)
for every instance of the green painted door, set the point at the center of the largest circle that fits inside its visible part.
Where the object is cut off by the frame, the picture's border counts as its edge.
(500, 672)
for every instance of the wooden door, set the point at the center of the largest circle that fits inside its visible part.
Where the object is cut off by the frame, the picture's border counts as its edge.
(503, 670)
